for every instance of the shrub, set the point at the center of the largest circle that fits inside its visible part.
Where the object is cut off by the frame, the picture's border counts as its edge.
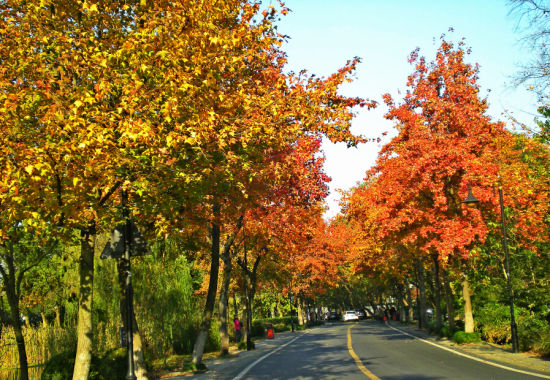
(543, 347)
(258, 328)
(312, 323)
(461, 337)
(446, 332)
(493, 321)
(213, 341)
(432, 327)
(532, 334)
(281, 324)
(185, 337)
(111, 365)
(43, 342)
(281, 327)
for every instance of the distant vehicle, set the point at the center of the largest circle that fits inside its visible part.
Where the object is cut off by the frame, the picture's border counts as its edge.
(360, 314)
(350, 316)
(332, 316)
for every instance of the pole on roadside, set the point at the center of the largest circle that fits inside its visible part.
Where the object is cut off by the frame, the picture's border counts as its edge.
(129, 312)
(291, 308)
(513, 326)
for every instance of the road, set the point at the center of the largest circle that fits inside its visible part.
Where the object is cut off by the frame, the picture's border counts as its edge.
(364, 350)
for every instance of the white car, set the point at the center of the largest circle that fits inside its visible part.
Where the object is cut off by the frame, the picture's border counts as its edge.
(350, 316)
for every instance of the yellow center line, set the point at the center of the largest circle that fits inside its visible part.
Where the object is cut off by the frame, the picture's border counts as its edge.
(363, 369)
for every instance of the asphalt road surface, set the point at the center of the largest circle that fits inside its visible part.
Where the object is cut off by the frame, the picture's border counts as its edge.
(363, 350)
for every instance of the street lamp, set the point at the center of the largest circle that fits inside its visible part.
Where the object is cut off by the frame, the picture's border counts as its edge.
(470, 199)
(291, 308)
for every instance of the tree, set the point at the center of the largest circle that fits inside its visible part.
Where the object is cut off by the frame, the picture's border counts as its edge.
(445, 143)
(18, 256)
(417, 183)
(533, 18)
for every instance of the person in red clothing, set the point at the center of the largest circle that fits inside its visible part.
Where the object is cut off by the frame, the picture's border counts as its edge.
(238, 329)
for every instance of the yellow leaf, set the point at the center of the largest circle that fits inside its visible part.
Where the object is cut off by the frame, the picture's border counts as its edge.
(93, 8)
(78, 103)
(75, 181)
(29, 169)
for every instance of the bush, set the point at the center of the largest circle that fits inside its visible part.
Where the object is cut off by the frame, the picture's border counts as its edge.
(431, 327)
(184, 339)
(281, 324)
(446, 332)
(213, 341)
(281, 327)
(534, 334)
(461, 337)
(112, 365)
(493, 321)
(258, 328)
(315, 323)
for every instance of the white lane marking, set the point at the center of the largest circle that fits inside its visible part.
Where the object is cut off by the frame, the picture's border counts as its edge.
(245, 371)
(471, 357)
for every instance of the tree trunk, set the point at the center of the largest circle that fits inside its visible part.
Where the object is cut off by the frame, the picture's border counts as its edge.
(198, 349)
(58, 317)
(300, 311)
(140, 370)
(9, 280)
(437, 296)
(468, 316)
(421, 299)
(410, 311)
(246, 337)
(83, 358)
(223, 302)
(250, 293)
(449, 300)
(235, 306)
(401, 302)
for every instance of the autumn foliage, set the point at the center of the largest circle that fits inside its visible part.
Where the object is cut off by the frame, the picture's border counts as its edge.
(445, 143)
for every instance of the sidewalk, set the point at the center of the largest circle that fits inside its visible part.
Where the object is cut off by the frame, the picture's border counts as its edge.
(220, 367)
(484, 350)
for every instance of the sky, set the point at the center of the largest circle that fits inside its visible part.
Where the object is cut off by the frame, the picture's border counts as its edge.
(324, 34)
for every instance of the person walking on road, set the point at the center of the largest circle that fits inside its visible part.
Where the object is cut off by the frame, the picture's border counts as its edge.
(238, 329)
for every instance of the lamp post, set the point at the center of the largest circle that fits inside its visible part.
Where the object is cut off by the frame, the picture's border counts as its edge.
(470, 199)
(126, 242)
(291, 308)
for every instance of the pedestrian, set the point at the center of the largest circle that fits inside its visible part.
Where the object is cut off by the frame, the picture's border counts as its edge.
(238, 329)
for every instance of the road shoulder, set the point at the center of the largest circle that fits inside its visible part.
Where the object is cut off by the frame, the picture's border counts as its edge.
(484, 351)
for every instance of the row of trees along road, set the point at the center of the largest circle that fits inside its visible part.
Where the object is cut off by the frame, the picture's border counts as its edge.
(185, 106)
(408, 213)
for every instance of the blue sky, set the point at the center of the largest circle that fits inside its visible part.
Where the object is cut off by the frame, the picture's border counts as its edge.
(325, 34)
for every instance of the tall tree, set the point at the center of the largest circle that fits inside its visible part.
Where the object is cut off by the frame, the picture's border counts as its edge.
(534, 21)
